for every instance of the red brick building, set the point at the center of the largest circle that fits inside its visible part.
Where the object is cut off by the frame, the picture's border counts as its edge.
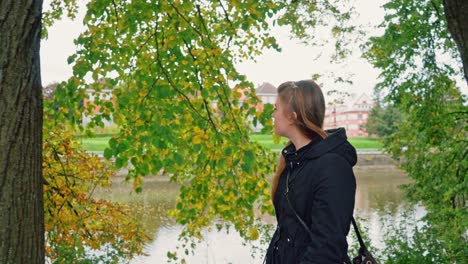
(352, 114)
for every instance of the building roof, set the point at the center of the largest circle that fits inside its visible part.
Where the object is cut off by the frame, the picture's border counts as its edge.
(266, 88)
(363, 99)
(350, 102)
(350, 99)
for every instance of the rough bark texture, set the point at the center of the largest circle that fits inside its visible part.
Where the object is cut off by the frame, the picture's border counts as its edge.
(21, 195)
(456, 13)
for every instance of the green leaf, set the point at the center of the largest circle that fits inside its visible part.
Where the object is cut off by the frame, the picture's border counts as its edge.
(179, 159)
(108, 153)
(120, 162)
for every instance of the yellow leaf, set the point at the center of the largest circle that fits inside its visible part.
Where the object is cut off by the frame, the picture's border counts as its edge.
(253, 233)
(197, 139)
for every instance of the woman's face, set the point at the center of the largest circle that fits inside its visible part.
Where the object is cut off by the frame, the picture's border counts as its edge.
(282, 119)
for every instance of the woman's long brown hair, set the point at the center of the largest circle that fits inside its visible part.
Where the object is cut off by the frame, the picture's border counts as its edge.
(305, 98)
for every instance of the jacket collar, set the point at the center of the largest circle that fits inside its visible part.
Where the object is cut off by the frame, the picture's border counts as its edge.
(337, 141)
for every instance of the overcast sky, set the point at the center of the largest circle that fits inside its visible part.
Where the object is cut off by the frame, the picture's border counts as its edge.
(295, 62)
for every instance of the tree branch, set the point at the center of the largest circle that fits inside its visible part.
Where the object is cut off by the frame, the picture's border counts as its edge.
(186, 20)
(226, 15)
(168, 78)
(203, 22)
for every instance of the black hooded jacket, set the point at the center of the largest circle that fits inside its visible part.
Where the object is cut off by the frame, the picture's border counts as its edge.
(321, 190)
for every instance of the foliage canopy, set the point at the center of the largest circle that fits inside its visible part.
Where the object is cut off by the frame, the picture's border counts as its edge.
(79, 227)
(419, 66)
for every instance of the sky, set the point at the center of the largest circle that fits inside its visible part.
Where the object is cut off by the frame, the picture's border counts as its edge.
(296, 61)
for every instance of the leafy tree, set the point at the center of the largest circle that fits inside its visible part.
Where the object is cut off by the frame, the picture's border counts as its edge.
(413, 55)
(173, 63)
(76, 223)
(383, 120)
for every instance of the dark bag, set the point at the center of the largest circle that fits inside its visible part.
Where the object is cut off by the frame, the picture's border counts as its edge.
(363, 257)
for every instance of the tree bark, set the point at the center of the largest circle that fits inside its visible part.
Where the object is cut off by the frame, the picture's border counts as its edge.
(456, 13)
(21, 182)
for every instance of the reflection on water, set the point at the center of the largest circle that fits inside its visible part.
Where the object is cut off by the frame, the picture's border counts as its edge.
(378, 199)
(151, 205)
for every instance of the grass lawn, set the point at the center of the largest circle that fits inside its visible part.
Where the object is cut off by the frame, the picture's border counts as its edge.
(358, 143)
(99, 143)
(366, 143)
(267, 141)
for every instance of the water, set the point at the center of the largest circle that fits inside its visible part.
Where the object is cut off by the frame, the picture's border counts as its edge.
(378, 199)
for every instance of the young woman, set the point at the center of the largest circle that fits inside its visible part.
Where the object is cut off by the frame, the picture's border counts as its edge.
(314, 181)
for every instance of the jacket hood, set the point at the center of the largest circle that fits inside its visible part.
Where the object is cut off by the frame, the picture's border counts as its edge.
(336, 142)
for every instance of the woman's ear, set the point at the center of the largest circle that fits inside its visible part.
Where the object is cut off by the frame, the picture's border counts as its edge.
(293, 118)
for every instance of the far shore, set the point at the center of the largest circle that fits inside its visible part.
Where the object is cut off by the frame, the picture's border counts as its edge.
(366, 160)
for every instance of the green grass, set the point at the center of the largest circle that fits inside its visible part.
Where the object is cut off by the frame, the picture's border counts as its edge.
(99, 143)
(359, 143)
(366, 143)
(267, 141)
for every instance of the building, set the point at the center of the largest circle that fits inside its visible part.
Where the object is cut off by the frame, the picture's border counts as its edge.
(267, 93)
(104, 95)
(352, 113)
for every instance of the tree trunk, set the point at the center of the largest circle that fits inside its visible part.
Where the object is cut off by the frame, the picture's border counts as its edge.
(21, 182)
(456, 13)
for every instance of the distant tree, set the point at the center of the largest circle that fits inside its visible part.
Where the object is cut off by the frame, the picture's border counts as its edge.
(383, 120)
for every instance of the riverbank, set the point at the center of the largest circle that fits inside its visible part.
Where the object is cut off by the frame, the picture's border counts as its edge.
(366, 160)
(375, 158)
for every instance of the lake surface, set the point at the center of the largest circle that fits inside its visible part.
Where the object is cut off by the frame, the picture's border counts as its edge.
(378, 199)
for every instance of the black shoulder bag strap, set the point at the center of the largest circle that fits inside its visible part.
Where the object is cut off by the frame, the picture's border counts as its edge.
(362, 248)
(294, 211)
(358, 234)
(364, 256)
